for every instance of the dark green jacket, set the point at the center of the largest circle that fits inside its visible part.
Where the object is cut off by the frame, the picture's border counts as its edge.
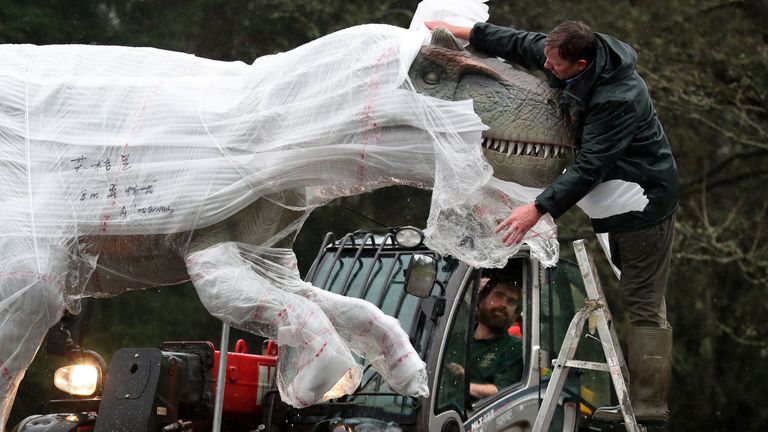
(619, 136)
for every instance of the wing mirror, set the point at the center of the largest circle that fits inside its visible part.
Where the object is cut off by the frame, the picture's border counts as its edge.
(420, 276)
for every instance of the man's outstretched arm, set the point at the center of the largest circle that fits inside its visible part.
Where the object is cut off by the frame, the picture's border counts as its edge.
(458, 31)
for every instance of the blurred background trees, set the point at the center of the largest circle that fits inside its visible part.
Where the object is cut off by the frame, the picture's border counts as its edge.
(706, 63)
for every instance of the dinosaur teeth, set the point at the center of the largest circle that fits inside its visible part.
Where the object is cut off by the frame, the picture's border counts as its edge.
(510, 148)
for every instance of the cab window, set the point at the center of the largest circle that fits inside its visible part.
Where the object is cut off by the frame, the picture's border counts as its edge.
(484, 352)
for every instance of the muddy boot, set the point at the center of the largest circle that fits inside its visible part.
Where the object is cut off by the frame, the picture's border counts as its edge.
(650, 370)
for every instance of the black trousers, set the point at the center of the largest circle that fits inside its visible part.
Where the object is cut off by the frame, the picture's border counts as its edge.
(643, 257)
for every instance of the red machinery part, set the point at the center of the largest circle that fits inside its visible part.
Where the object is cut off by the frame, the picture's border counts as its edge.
(248, 377)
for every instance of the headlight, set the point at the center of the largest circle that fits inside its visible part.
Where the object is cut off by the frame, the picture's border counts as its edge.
(363, 425)
(408, 237)
(79, 380)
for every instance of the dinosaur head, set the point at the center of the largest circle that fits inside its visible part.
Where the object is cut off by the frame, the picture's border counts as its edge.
(527, 141)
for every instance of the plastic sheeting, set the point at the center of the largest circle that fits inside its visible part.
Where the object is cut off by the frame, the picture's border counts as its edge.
(245, 292)
(456, 12)
(105, 143)
(115, 140)
(259, 290)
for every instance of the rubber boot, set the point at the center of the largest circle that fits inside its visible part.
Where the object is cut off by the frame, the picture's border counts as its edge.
(650, 371)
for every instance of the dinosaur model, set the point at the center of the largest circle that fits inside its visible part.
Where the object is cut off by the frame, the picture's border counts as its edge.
(129, 168)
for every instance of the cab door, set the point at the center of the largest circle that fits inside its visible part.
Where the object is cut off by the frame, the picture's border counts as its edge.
(449, 401)
(514, 407)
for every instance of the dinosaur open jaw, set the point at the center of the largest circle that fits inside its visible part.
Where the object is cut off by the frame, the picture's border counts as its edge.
(528, 164)
(520, 148)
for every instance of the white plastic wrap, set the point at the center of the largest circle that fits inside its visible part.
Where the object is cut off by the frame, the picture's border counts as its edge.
(303, 318)
(463, 230)
(115, 140)
(135, 143)
(456, 12)
(256, 294)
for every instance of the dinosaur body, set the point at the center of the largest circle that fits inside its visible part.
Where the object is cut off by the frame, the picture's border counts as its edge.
(519, 109)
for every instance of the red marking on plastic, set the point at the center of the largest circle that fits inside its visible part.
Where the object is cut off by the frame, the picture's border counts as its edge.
(371, 133)
(317, 354)
(104, 222)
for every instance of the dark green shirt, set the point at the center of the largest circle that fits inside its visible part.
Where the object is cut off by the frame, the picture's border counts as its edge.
(497, 361)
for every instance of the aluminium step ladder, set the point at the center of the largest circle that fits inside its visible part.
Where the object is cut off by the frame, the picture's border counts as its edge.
(596, 314)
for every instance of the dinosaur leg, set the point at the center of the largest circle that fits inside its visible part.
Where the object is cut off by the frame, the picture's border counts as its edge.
(314, 363)
(375, 336)
(31, 301)
(367, 331)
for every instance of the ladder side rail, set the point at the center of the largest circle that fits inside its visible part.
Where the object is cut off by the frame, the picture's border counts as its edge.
(595, 292)
(614, 357)
(560, 371)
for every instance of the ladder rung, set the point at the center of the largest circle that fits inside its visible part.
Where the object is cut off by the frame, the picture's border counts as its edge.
(580, 364)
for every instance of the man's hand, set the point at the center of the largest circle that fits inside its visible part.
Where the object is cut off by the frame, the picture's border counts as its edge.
(455, 369)
(479, 391)
(518, 223)
(459, 32)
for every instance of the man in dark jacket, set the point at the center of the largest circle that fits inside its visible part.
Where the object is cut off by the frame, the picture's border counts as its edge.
(619, 138)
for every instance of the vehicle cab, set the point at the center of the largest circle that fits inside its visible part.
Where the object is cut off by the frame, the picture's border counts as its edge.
(435, 298)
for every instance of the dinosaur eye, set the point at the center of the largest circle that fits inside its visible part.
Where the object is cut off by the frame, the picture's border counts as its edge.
(431, 77)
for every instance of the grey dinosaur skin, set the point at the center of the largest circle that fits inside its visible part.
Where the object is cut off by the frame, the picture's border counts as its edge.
(528, 140)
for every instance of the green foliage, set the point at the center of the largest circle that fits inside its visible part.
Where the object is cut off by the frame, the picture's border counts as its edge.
(53, 21)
